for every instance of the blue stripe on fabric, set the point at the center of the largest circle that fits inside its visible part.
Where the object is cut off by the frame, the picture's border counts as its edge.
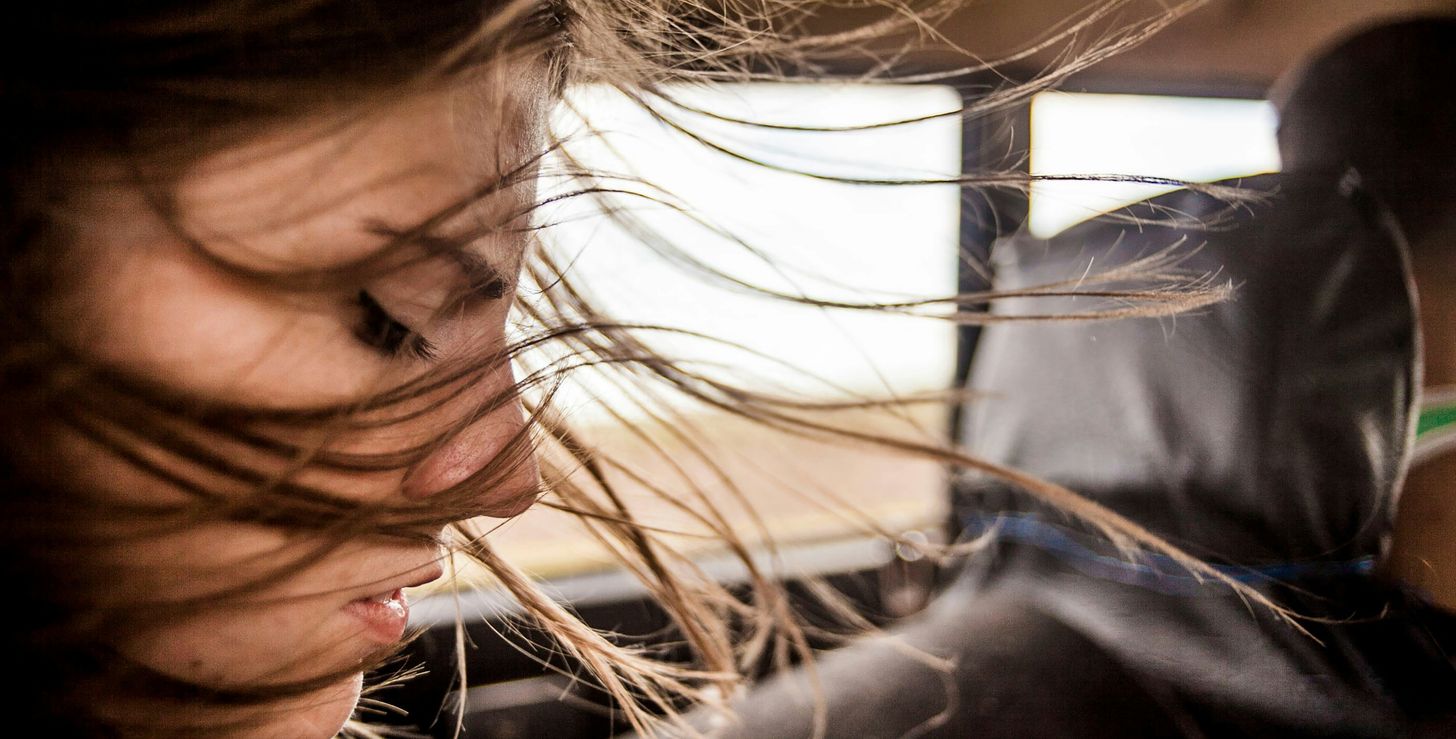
(1149, 570)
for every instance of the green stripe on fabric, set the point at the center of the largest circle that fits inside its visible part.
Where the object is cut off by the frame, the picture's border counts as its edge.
(1435, 418)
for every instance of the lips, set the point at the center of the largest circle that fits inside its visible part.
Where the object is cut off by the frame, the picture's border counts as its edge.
(384, 615)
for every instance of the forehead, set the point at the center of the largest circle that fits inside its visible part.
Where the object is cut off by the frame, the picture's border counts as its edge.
(315, 193)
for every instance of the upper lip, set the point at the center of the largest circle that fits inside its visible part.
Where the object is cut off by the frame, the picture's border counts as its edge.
(415, 577)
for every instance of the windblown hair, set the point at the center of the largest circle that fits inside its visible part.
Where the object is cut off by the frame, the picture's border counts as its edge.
(157, 85)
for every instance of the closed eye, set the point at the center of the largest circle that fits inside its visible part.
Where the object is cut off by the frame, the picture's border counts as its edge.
(386, 334)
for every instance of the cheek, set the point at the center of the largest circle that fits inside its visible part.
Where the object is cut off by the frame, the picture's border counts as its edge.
(168, 316)
(292, 631)
(243, 645)
(297, 626)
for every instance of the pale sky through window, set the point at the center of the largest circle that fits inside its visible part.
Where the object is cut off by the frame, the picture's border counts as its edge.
(1196, 139)
(878, 241)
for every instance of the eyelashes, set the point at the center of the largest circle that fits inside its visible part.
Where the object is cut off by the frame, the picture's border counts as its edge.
(386, 334)
(475, 281)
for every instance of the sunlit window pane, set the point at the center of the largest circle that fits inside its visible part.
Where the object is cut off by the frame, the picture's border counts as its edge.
(1195, 139)
(829, 239)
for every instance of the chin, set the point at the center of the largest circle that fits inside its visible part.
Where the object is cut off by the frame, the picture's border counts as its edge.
(319, 716)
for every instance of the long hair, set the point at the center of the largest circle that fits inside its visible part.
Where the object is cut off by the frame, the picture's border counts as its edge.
(156, 86)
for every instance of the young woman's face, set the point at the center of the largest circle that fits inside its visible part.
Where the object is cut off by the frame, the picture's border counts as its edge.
(314, 195)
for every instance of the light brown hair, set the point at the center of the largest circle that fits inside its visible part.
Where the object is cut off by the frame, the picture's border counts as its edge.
(157, 85)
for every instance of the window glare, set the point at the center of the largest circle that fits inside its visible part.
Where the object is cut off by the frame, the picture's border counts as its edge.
(828, 239)
(1196, 139)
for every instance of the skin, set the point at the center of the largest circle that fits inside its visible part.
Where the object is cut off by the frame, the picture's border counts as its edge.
(299, 195)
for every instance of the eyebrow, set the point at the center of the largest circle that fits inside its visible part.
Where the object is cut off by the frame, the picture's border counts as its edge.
(483, 281)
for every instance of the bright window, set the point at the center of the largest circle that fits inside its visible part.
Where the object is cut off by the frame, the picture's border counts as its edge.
(1194, 139)
(831, 239)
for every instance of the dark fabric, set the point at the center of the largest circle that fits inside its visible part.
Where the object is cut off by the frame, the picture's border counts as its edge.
(1268, 428)
(1268, 432)
(1038, 650)
(1014, 670)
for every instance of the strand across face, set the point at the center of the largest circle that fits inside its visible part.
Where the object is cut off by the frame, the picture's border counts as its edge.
(146, 301)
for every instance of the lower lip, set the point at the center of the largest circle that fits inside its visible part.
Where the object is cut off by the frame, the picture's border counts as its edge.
(383, 622)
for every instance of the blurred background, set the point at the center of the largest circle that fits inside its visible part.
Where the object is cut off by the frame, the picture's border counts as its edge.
(1187, 104)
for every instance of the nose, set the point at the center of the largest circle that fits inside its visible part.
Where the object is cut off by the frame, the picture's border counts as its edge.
(498, 439)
